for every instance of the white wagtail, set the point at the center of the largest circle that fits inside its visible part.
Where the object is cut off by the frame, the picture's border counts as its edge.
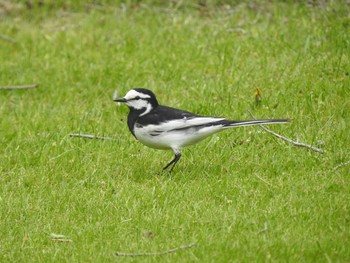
(162, 127)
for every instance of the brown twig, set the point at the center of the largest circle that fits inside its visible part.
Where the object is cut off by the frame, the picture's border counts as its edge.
(121, 254)
(31, 86)
(295, 143)
(89, 136)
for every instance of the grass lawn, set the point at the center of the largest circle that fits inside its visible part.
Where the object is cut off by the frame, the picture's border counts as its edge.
(240, 196)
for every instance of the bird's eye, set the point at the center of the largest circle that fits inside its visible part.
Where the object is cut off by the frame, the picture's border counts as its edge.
(137, 98)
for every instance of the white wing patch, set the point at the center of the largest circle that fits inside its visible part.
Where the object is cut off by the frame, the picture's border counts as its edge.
(176, 133)
(181, 124)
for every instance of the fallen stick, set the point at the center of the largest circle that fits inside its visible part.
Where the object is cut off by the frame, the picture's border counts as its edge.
(295, 143)
(341, 165)
(89, 136)
(31, 86)
(7, 38)
(121, 254)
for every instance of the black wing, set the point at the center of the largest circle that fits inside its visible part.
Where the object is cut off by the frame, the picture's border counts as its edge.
(163, 114)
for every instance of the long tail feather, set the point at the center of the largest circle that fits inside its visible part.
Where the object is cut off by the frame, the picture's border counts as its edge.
(253, 122)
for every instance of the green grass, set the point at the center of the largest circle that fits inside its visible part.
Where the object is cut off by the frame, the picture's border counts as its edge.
(107, 196)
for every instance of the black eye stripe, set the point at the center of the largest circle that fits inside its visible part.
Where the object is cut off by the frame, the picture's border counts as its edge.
(138, 98)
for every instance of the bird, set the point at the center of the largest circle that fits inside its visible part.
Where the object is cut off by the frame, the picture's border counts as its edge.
(167, 128)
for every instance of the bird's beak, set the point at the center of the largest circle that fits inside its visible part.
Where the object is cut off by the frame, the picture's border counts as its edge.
(120, 100)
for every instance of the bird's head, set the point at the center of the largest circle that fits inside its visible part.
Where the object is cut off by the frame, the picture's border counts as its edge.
(140, 100)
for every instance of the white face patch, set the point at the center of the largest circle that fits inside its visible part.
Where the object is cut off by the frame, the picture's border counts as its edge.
(138, 104)
(132, 94)
(136, 100)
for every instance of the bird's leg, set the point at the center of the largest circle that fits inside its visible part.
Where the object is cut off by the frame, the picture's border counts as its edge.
(174, 161)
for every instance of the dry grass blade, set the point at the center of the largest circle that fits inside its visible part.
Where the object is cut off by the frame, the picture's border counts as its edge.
(139, 254)
(59, 238)
(21, 87)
